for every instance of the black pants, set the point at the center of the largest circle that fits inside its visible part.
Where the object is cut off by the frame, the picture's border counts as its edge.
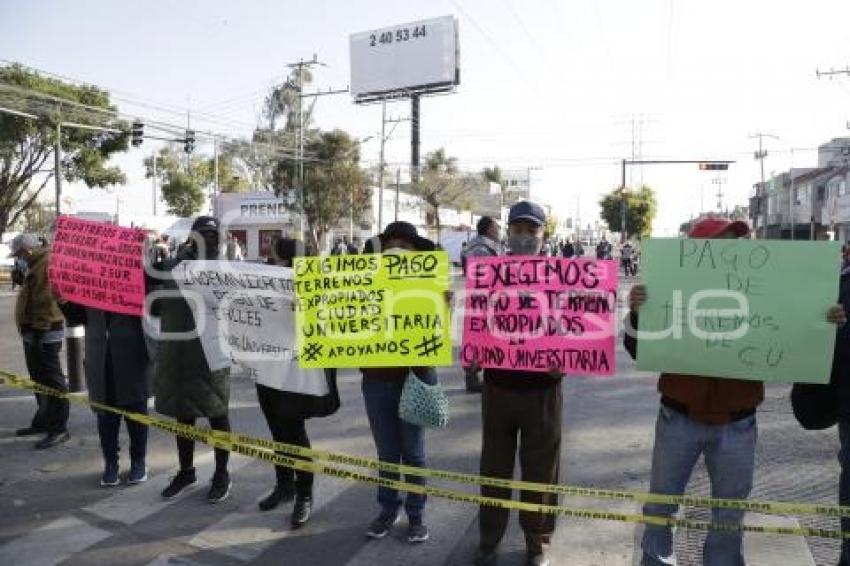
(44, 368)
(535, 417)
(186, 447)
(108, 427)
(289, 430)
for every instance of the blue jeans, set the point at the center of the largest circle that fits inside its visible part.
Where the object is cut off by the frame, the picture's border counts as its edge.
(397, 441)
(844, 485)
(729, 452)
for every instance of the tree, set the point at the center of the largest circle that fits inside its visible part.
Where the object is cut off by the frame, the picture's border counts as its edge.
(551, 227)
(334, 184)
(442, 185)
(184, 195)
(27, 145)
(642, 207)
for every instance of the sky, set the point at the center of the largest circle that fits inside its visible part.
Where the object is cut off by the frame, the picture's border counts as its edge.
(547, 85)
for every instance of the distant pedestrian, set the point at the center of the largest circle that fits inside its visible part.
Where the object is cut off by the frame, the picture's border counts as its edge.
(286, 413)
(41, 325)
(119, 371)
(568, 249)
(353, 247)
(484, 244)
(396, 440)
(185, 386)
(627, 253)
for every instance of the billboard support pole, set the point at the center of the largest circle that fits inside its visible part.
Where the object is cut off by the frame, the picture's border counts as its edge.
(414, 138)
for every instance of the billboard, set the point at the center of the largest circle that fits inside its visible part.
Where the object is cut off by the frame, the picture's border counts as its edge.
(419, 57)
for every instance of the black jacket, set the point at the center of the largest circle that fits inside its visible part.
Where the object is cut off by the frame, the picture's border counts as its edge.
(840, 378)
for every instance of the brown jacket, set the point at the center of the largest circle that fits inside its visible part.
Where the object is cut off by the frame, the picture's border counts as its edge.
(36, 307)
(710, 400)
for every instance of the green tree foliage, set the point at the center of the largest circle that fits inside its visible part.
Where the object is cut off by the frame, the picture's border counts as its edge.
(443, 186)
(184, 195)
(27, 145)
(335, 186)
(642, 207)
(198, 179)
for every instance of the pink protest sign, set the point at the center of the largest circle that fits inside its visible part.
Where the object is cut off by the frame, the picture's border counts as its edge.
(536, 313)
(98, 265)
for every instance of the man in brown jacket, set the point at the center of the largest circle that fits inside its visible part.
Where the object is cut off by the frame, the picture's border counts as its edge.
(42, 328)
(715, 417)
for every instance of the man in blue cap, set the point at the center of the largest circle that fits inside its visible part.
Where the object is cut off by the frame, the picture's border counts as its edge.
(524, 403)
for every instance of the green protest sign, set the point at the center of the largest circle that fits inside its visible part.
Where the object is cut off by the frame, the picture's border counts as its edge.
(744, 309)
(373, 310)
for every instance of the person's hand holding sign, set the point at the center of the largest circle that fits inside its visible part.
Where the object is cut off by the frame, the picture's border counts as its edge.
(637, 297)
(836, 315)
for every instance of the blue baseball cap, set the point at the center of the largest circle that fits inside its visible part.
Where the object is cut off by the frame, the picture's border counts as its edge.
(527, 210)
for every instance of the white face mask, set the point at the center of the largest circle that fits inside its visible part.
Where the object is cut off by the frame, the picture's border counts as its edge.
(395, 251)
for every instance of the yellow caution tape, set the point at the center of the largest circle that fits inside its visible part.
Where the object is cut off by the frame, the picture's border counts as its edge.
(303, 459)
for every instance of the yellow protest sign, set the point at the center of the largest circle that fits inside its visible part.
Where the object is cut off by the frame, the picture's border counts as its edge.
(373, 310)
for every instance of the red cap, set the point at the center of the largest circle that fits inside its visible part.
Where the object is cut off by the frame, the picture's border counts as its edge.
(711, 227)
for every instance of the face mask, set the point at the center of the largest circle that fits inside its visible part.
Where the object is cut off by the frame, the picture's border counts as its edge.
(395, 251)
(522, 244)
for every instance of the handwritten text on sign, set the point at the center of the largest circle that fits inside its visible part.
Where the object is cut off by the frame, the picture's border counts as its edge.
(537, 313)
(98, 265)
(374, 310)
(244, 315)
(743, 309)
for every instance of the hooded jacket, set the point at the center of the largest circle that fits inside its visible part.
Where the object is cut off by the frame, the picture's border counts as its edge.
(36, 307)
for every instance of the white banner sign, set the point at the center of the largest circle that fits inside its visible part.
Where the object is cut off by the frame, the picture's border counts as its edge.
(244, 315)
(414, 56)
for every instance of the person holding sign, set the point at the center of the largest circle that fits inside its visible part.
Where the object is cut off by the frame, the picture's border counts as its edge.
(42, 328)
(118, 374)
(286, 413)
(396, 440)
(186, 387)
(710, 416)
(526, 403)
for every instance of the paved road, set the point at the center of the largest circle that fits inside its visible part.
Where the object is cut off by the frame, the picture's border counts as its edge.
(52, 510)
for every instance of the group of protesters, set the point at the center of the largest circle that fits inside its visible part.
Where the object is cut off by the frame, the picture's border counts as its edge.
(521, 410)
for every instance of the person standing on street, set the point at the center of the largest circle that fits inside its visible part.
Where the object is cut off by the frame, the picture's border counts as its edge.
(484, 244)
(520, 404)
(119, 372)
(627, 253)
(286, 413)
(185, 386)
(708, 416)
(41, 325)
(396, 440)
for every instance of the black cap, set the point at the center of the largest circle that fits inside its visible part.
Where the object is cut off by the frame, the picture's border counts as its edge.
(206, 224)
(527, 210)
(406, 231)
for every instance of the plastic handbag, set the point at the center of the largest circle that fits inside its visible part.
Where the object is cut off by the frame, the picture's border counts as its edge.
(422, 404)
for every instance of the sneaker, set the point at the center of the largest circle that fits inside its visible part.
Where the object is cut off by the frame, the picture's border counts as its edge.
(219, 487)
(110, 475)
(485, 557)
(138, 473)
(416, 531)
(184, 479)
(301, 512)
(381, 526)
(29, 431)
(539, 559)
(52, 439)
(280, 494)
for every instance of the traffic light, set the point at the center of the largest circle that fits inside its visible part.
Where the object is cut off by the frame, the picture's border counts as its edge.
(137, 133)
(713, 166)
(190, 141)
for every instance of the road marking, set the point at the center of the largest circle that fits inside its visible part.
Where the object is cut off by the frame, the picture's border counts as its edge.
(52, 543)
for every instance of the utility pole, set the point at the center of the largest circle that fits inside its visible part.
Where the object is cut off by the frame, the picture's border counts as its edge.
(624, 205)
(759, 156)
(792, 201)
(397, 190)
(381, 167)
(57, 165)
(153, 181)
(719, 182)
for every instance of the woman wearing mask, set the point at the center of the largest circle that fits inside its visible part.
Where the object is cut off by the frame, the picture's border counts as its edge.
(396, 440)
(286, 412)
